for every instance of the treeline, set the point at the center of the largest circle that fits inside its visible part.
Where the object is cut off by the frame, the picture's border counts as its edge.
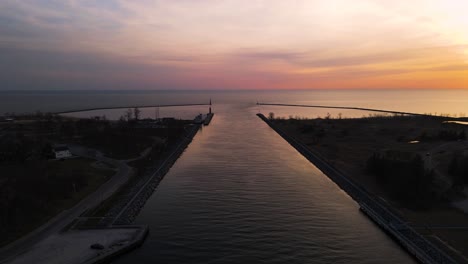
(445, 134)
(403, 178)
(116, 141)
(16, 148)
(126, 138)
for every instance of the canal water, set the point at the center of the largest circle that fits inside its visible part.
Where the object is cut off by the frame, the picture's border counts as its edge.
(241, 194)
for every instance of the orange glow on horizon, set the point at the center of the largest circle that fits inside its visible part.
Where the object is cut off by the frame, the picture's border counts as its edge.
(236, 45)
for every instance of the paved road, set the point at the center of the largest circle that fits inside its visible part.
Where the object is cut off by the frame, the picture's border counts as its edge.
(59, 222)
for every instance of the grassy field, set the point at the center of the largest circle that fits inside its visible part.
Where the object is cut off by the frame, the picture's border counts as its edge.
(51, 187)
(348, 144)
(139, 167)
(94, 177)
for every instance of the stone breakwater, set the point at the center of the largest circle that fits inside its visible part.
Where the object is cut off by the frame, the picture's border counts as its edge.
(130, 204)
(140, 233)
(208, 119)
(125, 210)
(407, 237)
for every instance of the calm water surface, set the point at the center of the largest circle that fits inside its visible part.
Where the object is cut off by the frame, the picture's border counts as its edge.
(419, 101)
(241, 194)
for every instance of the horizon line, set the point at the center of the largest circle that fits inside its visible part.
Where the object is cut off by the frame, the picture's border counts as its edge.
(222, 90)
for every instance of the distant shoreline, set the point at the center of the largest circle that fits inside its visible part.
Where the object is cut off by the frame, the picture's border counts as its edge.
(352, 108)
(122, 107)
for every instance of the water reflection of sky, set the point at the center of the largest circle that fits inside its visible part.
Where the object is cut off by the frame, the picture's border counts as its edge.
(453, 102)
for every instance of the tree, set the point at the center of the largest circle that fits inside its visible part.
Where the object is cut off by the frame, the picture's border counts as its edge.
(128, 114)
(462, 135)
(271, 116)
(458, 169)
(405, 179)
(136, 113)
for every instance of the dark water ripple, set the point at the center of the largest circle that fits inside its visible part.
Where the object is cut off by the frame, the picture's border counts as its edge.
(241, 194)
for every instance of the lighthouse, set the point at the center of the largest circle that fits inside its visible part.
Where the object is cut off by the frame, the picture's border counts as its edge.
(210, 106)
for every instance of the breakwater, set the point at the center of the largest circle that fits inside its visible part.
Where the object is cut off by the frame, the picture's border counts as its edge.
(110, 254)
(121, 107)
(128, 207)
(208, 119)
(407, 237)
(352, 108)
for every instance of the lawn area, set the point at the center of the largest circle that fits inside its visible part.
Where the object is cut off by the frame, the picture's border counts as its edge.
(348, 144)
(92, 177)
(34, 192)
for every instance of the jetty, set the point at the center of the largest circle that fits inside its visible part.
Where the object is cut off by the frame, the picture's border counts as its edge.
(209, 116)
(350, 108)
(125, 211)
(208, 119)
(125, 107)
(81, 237)
(416, 244)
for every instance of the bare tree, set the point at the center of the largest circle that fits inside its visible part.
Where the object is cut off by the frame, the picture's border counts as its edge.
(271, 116)
(129, 114)
(136, 113)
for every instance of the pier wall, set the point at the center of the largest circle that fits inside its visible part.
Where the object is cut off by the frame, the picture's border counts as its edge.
(141, 232)
(407, 237)
(208, 119)
(125, 211)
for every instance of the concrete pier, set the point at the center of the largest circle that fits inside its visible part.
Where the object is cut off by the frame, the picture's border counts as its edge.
(74, 246)
(122, 107)
(407, 237)
(208, 118)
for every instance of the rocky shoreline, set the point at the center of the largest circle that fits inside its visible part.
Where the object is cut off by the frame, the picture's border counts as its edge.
(127, 208)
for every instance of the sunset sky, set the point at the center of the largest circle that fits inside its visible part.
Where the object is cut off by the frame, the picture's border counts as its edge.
(201, 44)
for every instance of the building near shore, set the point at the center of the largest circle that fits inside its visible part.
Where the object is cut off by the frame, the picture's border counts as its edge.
(7, 120)
(62, 152)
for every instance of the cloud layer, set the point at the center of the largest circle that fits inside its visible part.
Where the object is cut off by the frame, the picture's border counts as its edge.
(208, 44)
